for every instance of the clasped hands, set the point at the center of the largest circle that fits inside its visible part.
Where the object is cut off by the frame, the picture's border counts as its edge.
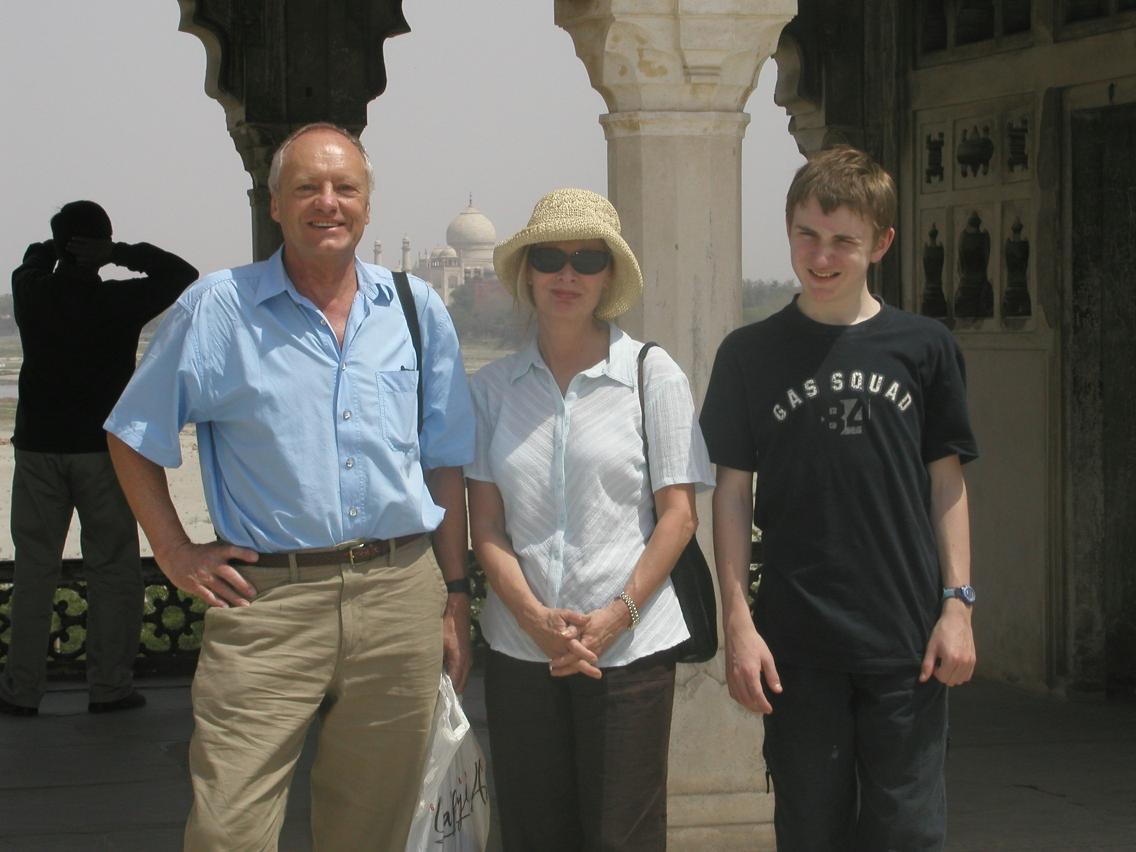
(91, 251)
(574, 641)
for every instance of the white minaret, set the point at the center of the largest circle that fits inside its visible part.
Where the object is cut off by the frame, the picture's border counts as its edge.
(405, 253)
(378, 249)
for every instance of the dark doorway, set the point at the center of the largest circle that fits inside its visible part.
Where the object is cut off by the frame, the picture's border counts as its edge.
(1102, 398)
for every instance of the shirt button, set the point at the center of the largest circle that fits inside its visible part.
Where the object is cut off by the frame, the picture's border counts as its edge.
(323, 322)
(343, 366)
(347, 415)
(353, 511)
(350, 463)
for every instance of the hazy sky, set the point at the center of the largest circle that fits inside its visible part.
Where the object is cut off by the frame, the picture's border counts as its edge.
(105, 100)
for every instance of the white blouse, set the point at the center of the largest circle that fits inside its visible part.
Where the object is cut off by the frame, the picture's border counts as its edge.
(573, 479)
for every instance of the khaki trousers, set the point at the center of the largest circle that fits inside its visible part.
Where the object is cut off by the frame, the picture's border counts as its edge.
(47, 488)
(360, 646)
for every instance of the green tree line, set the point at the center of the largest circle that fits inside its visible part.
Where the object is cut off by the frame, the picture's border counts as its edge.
(764, 297)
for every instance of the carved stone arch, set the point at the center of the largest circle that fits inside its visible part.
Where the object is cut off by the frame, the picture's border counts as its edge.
(260, 57)
(212, 35)
(819, 61)
(798, 91)
(262, 68)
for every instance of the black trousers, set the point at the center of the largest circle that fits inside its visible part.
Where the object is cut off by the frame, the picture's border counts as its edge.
(857, 761)
(580, 765)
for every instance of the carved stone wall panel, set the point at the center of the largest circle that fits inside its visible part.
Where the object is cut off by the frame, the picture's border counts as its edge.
(976, 258)
(960, 30)
(1016, 16)
(936, 156)
(988, 155)
(1017, 289)
(932, 27)
(1079, 10)
(1018, 144)
(1081, 18)
(974, 21)
(977, 155)
(934, 269)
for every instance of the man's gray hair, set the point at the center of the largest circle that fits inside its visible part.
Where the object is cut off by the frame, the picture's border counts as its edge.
(282, 152)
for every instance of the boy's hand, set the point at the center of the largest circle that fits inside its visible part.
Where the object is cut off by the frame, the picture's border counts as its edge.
(748, 659)
(950, 655)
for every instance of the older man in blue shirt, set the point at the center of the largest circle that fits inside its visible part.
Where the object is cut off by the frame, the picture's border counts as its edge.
(301, 377)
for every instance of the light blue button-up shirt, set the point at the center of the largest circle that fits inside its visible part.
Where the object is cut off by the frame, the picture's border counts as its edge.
(303, 443)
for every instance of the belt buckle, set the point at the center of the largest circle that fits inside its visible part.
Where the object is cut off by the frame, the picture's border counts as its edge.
(350, 549)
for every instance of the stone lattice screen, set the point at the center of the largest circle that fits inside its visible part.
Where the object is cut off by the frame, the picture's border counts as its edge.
(171, 623)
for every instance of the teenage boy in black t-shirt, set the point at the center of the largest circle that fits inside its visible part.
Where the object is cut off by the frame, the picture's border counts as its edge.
(853, 416)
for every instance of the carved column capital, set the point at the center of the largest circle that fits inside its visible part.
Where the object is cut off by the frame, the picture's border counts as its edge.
(696, 55)
(673, 123)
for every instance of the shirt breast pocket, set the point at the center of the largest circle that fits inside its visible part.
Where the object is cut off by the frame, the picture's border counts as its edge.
(398, 407)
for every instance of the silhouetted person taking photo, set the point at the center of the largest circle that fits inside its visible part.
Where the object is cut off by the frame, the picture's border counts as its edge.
(80, 337)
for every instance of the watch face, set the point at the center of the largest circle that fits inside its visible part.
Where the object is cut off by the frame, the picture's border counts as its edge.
(963, 593)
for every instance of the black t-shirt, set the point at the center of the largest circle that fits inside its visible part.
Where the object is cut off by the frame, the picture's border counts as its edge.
(839, 423)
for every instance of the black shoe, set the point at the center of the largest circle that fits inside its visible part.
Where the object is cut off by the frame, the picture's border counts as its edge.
(131, 701)
(10, 709)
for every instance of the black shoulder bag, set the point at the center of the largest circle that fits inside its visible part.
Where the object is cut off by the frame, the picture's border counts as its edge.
(690, 576)
(406, 299)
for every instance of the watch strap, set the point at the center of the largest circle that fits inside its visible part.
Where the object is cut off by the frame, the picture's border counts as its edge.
(963, 593)
(459, 587)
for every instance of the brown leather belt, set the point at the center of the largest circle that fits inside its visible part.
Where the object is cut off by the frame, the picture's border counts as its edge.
(354, 552)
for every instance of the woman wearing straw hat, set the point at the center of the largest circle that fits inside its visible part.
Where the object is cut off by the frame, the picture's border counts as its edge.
(581, 613)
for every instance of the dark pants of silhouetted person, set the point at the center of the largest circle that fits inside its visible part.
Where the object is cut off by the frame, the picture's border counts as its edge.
(47, 488)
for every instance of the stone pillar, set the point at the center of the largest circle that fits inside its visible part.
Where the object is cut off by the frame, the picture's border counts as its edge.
(256, 144)
(675, 177)
(675, 75)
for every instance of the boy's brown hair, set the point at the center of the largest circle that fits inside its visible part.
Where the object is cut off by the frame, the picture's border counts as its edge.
(843, 176)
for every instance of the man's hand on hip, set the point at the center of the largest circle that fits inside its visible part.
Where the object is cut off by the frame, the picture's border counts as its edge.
(203, 570)
(457, 650)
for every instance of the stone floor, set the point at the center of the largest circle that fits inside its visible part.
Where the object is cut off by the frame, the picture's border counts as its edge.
(1026, 772)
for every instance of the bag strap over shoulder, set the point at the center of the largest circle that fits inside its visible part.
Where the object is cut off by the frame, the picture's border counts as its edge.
(410, 310)
(690, 575)
(643, 417)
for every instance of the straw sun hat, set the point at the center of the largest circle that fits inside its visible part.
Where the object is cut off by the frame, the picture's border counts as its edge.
(572, 214)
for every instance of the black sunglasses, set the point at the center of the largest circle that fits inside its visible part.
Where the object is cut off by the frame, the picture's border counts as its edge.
(584, 261)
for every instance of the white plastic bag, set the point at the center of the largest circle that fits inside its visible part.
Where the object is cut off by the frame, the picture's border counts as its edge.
(453, 804)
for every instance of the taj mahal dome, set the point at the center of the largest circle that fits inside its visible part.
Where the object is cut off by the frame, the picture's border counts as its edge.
(466, 255)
